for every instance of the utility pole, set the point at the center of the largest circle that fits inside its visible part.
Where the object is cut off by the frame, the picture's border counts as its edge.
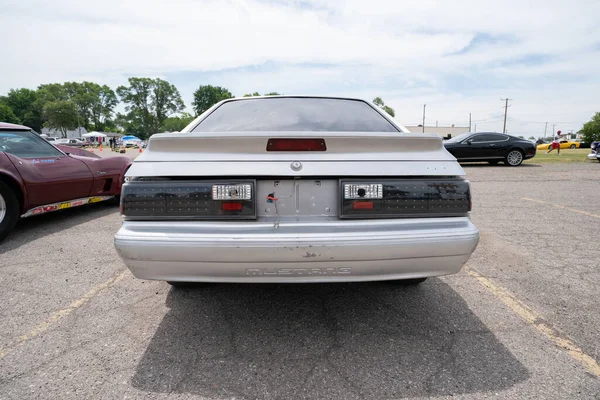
(505, 112)
(475, 128)
(545, 129)
(553, 132)
(424, 105)
(469, 122)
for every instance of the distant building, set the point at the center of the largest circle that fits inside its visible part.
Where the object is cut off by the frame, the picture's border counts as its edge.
(70, 134)
(440, 130)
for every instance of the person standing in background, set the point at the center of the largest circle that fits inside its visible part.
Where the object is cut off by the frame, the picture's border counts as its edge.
(556, 143)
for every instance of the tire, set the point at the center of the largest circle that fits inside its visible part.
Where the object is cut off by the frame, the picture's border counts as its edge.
(9, 210)
(408, 282)
(493, 162)
(572, 146)
(514, 158)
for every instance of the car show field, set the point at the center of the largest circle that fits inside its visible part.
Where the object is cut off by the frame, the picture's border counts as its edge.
(517, 322)
(566, 155)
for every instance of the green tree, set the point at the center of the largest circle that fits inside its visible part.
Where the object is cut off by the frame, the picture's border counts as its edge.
(148, 103)
(177, 123)
(61, 115)
(252, 94)
(47, 93)
(380, 103)
(166, 100)
(102, 109)
(52, 92)
(23, 103)
(132, 123)
(95, 103)
(531, 137)
(206, 96)
(7, 114)
(591, 129)
(389, 110)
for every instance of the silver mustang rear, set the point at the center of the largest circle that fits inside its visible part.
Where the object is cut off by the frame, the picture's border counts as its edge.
(295, 189)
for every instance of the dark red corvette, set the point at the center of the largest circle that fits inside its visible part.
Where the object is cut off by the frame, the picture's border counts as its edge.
(37, 177)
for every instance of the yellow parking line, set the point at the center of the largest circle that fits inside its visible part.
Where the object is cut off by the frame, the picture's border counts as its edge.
(563, 207)
(58, 315)
(537, 322)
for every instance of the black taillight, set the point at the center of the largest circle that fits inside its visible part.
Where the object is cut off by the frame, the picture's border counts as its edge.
(405, 198)
(188, 200)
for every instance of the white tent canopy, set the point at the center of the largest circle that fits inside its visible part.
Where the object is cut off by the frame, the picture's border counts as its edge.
(94, 134)
(95, 137)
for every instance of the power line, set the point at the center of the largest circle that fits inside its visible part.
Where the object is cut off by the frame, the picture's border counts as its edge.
(570, 113)
(543, 122)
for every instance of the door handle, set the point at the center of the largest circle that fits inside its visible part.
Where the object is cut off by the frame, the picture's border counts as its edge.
(101, 173)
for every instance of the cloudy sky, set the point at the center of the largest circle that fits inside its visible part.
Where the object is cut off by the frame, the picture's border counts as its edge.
(456, 56)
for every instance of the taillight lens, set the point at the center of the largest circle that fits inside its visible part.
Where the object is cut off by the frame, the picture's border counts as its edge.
(232, 192)
(363, 191)
(188, 200)
(405, 198)
(296, 145)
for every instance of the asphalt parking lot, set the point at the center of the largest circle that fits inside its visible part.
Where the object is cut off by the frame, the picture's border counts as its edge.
(520, 321)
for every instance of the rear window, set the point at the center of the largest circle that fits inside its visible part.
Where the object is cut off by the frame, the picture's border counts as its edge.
(295, 114)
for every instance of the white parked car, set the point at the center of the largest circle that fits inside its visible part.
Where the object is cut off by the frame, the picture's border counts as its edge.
(70, 142)
(295, 189)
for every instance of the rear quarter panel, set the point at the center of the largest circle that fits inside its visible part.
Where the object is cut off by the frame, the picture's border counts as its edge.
(108, 173)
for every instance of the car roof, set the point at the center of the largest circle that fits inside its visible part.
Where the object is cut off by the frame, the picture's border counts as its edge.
(6, 125)
(289, 96)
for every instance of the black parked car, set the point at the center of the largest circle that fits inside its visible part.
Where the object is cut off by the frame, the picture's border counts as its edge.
(490, 147)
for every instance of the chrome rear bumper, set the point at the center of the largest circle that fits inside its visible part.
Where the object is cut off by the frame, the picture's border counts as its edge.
(318, 251)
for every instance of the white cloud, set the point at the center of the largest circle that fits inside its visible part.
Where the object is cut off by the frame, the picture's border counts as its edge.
(408, 52)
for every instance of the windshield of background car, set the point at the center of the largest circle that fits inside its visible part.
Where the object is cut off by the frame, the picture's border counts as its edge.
(26, 144)
(459, 138)
(295, 114)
